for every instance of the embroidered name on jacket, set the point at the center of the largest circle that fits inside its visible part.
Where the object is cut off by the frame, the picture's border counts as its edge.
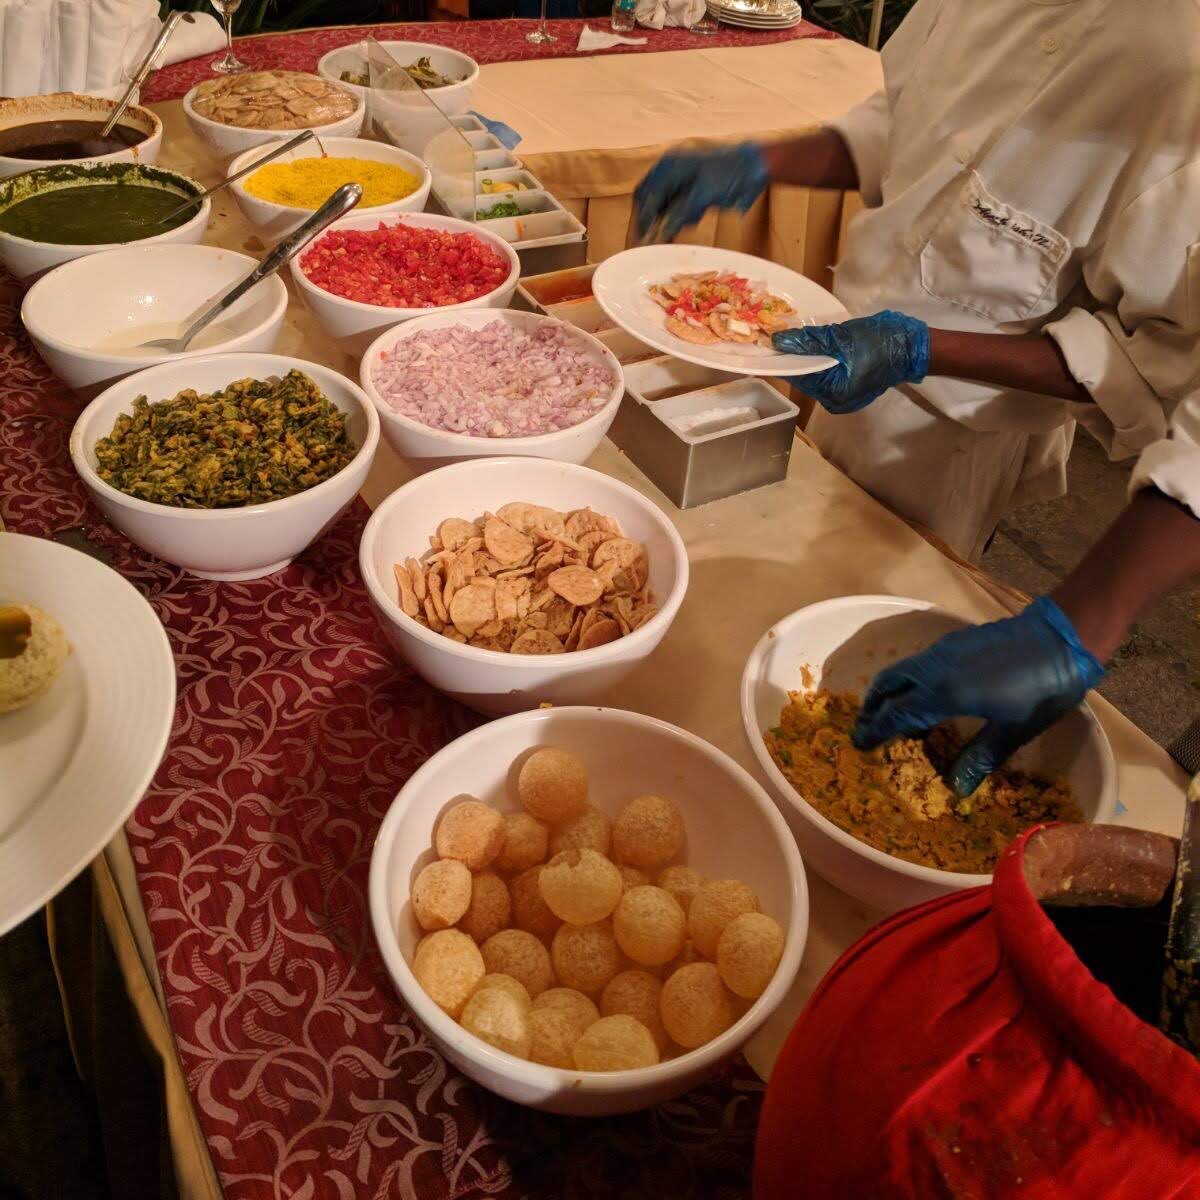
(1027, 232)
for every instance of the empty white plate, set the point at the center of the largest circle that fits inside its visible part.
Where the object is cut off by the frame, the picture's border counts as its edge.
(622, 288)
(75, 762)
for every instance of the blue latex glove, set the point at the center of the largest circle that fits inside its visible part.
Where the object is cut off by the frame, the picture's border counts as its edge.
(680, 188)
(1020, 675)
(873, 353)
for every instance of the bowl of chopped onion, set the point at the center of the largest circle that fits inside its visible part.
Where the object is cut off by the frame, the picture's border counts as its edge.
(280, 196)
(366, 273)
(483, 383)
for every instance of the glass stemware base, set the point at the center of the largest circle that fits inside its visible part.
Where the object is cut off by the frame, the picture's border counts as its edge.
(540, 35)
(229, 64)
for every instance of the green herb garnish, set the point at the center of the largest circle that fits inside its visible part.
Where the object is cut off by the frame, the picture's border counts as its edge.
(502, 208)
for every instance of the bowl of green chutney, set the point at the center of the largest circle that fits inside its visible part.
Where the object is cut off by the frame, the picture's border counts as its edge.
(59, 213)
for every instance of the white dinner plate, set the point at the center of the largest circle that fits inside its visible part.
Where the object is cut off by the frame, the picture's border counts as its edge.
(746, 22)
(622, 288)
(75, 762)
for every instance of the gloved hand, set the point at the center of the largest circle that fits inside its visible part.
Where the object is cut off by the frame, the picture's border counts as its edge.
(1020, 675)
(873, 353)
(680, 188)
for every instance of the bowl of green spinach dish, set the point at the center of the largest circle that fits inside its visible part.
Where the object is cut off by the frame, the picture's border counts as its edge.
(58, 213)
(228, 465)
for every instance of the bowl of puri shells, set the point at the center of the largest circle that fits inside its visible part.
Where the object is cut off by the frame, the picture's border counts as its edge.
(587, 910)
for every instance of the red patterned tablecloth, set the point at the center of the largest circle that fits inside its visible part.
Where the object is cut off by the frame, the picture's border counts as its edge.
(484, 41)
(294, 729)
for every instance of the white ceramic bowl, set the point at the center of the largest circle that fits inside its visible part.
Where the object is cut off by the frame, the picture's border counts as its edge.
(226, 543)
(28, 259)
(426, 448)
(357, 325)
(92, 301)
(733, 831)
(844, 643)
(278, 220)
(488, 680)
(72, 106)
(453, 99)
(224, 142)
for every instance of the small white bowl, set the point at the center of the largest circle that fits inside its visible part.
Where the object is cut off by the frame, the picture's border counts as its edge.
(489, 680)
(224, 142)
(28, 259)
(355, 324)
(453, 99)
(278, 220)
(733, 831)
(225, 543)
(91, 301)
(844, 643)
(73, 106)
(426, 448)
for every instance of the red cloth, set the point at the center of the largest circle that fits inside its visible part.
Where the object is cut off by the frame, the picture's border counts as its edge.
(961, 1049)
(484, 41)
(294, 729)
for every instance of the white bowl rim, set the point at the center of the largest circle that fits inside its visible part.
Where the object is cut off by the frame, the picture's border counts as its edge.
(935, 875)
(88, 248)
(272, 134)
(285, 361)
(603, 1082)
(236, 165)
(524, 662)
(471, 78)
(505, 445)
(435, 221)
(276, 285)
(156, 130)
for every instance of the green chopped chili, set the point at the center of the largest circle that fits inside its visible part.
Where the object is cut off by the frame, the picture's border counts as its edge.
(502, 208)
(253, 441)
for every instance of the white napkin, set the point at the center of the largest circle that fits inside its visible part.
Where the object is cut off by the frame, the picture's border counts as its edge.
(592, 39)
(654, 14)
(88, 45)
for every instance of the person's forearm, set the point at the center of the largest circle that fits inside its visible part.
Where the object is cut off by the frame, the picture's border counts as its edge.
(1027, 362)
(819, 160)
(1152, 547)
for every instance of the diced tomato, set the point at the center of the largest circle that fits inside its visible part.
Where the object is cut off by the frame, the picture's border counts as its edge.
(404, 266)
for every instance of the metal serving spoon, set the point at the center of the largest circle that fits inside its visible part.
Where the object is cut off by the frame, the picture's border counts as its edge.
(139, 76)
(282, 148)
(340, 203)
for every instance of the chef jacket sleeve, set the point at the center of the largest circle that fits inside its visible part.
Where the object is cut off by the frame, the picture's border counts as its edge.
(867, 127)
(1136, 346)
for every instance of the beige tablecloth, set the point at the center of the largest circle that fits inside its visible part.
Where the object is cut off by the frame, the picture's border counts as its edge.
(754, 558)
(592, 127)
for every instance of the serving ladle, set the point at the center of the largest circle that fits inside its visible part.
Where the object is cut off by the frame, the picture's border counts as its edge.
(340, 203)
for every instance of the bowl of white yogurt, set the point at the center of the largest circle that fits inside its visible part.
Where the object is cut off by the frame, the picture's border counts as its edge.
(89, 318)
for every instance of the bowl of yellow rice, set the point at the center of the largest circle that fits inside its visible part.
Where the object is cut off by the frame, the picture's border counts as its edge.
(279, 196)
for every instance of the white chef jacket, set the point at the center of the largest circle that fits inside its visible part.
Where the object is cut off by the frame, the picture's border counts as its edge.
(1034, 165)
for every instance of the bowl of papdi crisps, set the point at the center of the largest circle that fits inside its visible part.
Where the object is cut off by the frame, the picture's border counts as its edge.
(884, 826)
(588, 910)
(510, 582)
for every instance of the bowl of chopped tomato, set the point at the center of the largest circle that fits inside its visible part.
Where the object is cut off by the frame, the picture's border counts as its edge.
(366, 274)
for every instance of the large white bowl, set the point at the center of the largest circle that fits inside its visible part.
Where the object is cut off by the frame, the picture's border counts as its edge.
(426, 448)
(733, 831)
(90, 301)
(224, 142)
(843, 643)
(357, 325)
(225, 543)
(73, 106)
(489, 680)
(453, 100)
(28, 259)
(278, 220)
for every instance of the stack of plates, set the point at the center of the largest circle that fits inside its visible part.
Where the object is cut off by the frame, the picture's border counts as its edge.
(756, 14)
